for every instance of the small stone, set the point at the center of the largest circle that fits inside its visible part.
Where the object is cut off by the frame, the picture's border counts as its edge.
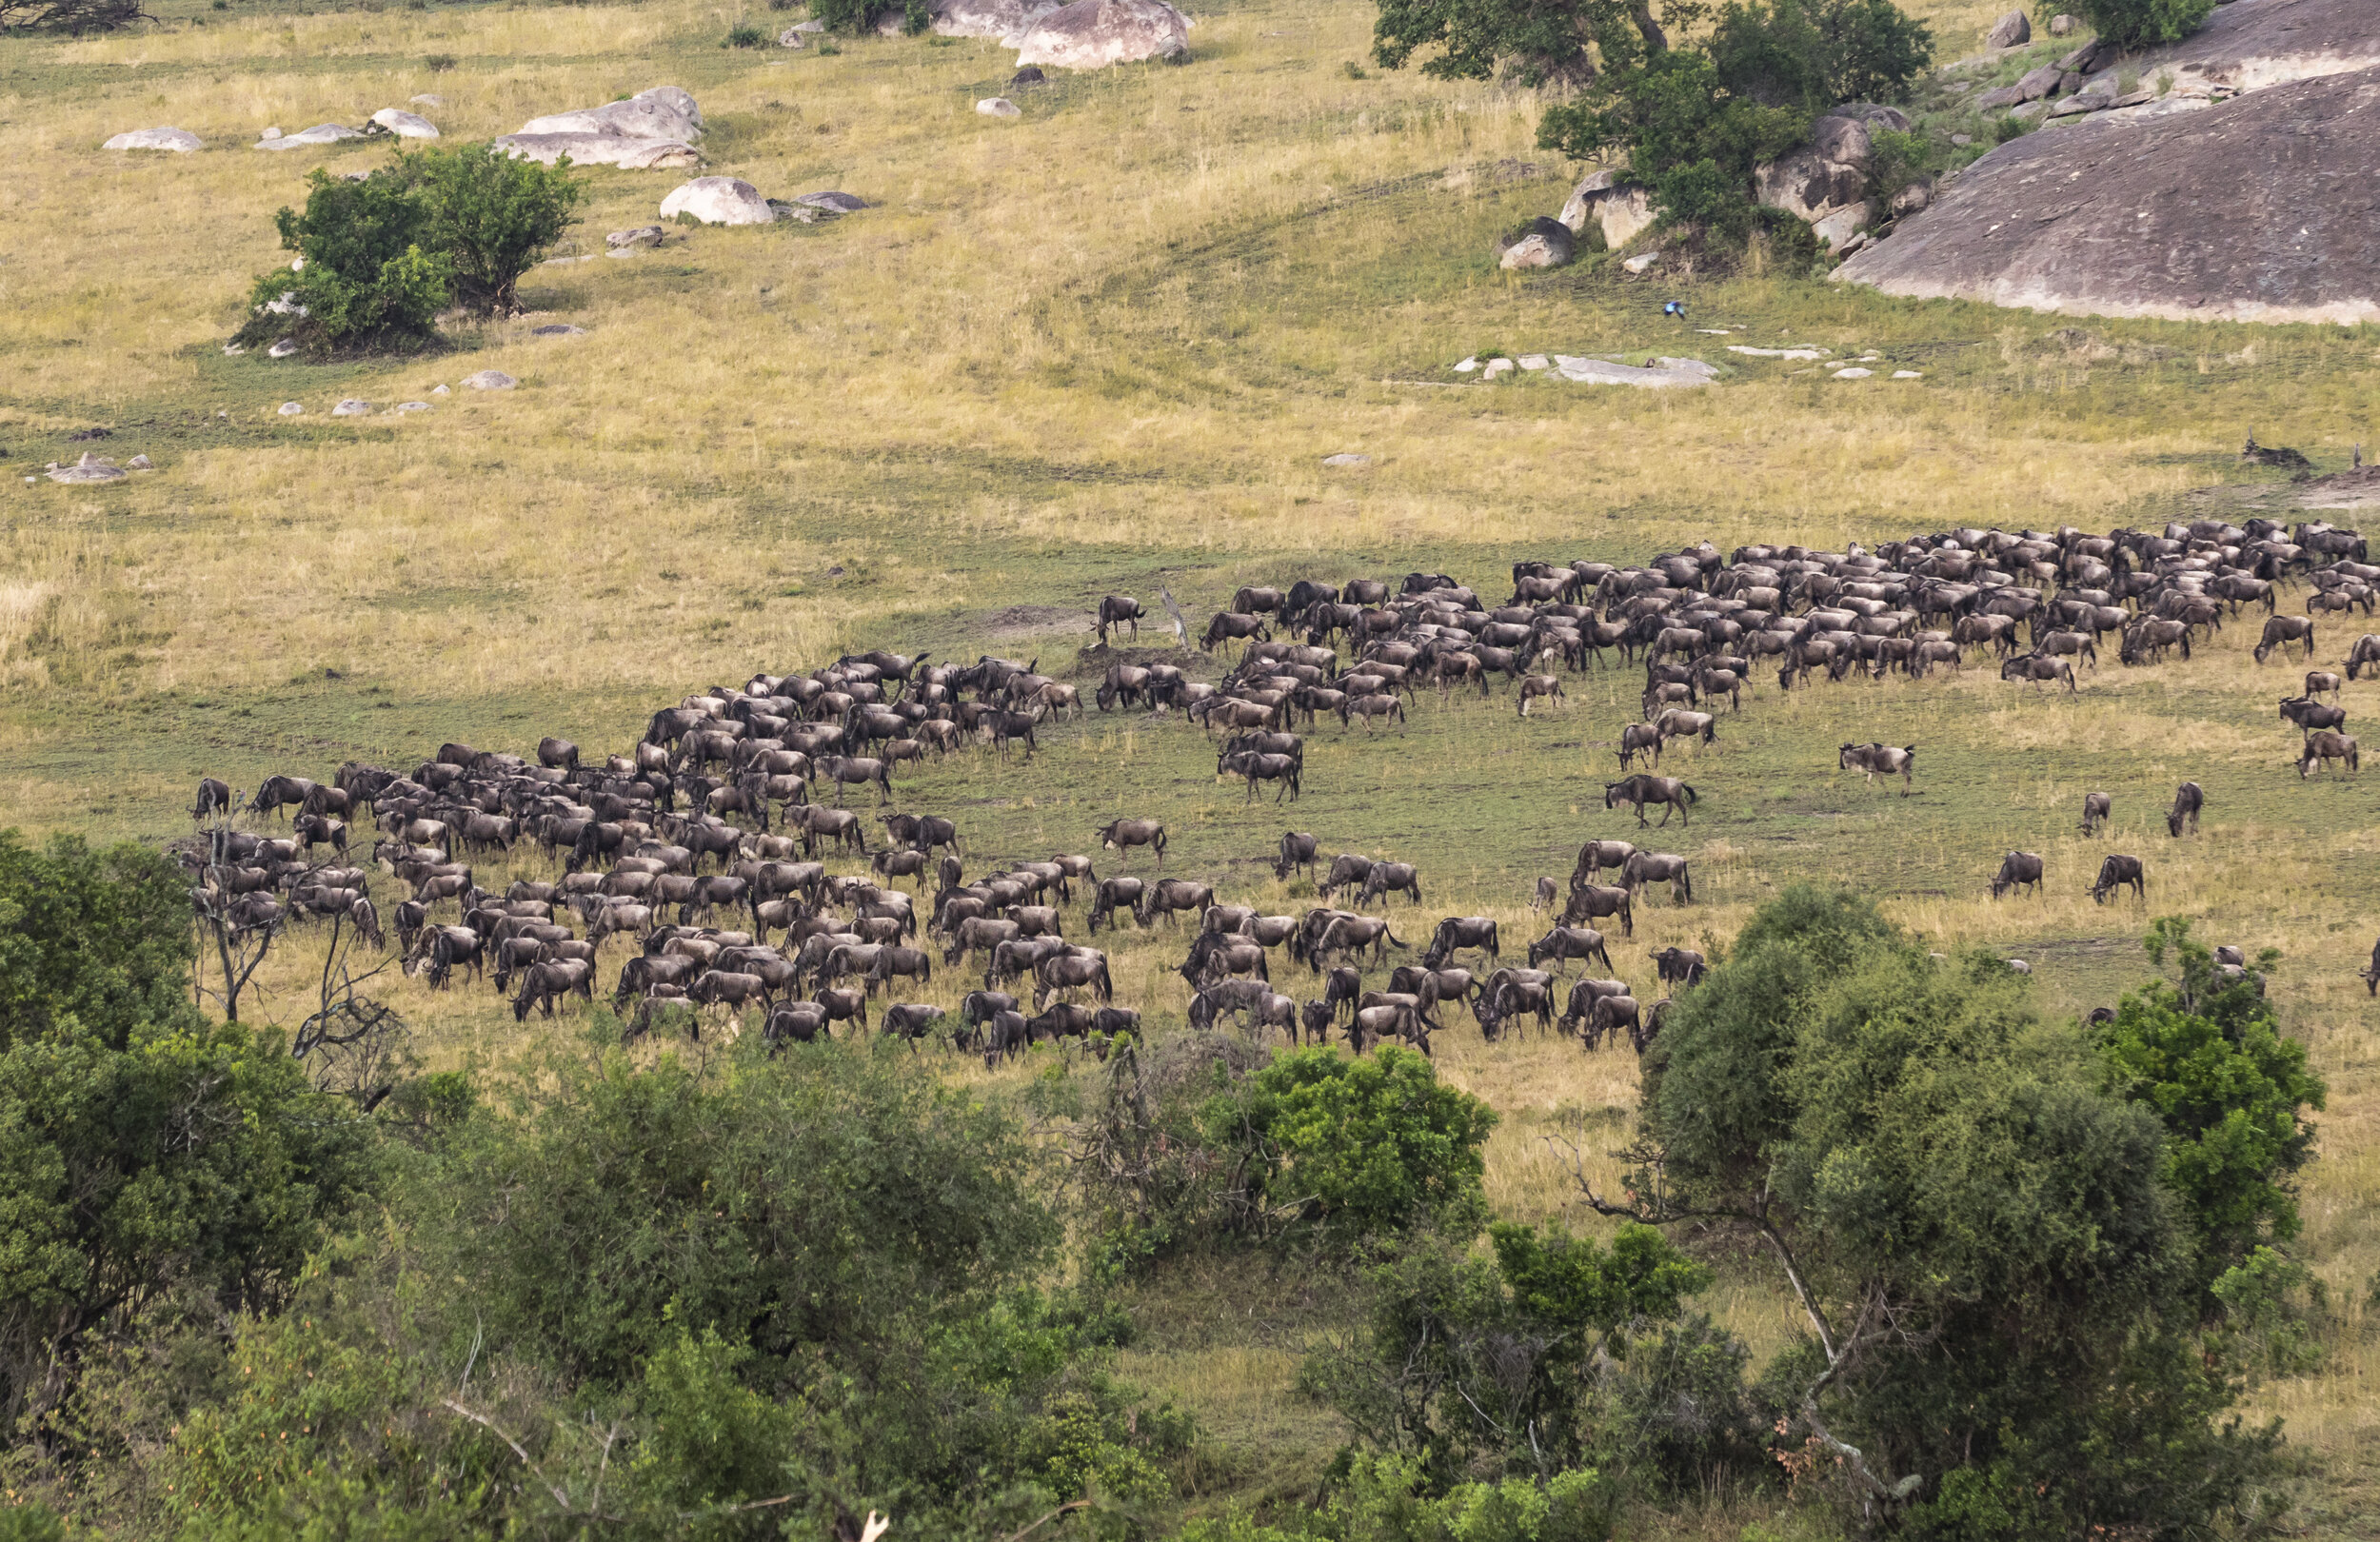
(90, 468)
(439, 390)
(2062, 25)
(718, 201)
(1909, 374)
(1535, 360)
(1029, 75)
(1642, 261)
(998, 107)
(842, 203)
(412, 407)
(232, 351)
(290, 409)
(1346, 460)
(622, 251)
(139, 463)
(790, 38)
(322, 133)
(490, 380)
(270, 133)
(429, 99)
(352, 408)
(643, 235)
(1962, 141)
(558, 331)
(1498, 366)
(2030, 111)
(1855, 372)
(405, 125)
(282, 349)
(1466, 366)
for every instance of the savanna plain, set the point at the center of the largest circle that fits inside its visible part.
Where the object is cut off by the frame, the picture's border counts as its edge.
(1105, 348)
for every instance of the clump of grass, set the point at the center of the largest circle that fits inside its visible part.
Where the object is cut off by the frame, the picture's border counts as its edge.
(440, 63)
(745, 35)
(1352, 70)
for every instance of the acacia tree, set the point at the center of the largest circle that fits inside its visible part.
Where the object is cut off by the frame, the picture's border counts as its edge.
(1983, 1245)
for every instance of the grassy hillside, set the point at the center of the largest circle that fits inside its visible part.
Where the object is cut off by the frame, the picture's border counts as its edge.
(1101, 349)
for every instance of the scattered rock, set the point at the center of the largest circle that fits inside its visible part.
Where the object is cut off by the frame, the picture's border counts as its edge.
(842, 203)
(2035, 83)
(1466, 366)
(1605, 372)
(282, 349)
(1874, 115)
(1346, 460)
(1911, 198)
(1839, 227)
(439, 390)
(2031, 112)
(1544, 244)
(322, 133)
(2091, 57)
(621, 252)
(1089, 35)
(270, 133)
(290, 409)
(412, 407)
(1007, 20)
(429, 99)
(654, 128)
(1825, 177)
(179, 141)
(139, 463)
(232, 351)
(1860, 240)
(1497, 366)
(405, 125)
(2012, 31)
(792, 37)
(1855, 372)
(998, 107)
(1535, 360)
(1805, 355)
(719, 201)
(1998, 97)
(90, 468)
(1642, 261)
(1962, 141)
(1909, 374)
(352, 408)
(643, 235)
(2062, 24)
(489, 380)
(1621, 209)
(1029, 75)
(560, 261)
(558, 330)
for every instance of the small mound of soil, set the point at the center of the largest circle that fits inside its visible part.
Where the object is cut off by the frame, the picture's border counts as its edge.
(1038, 621)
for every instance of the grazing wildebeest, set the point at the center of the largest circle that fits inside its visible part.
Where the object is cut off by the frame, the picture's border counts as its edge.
(1073, 972)
(1346, 868)
(2364, 654)
(1460, 932)
(841, 1005)
(1592, 901)
(1112, 896)
(1879, 759)
(2324, 683)
(557, 754)
(2095, 808)
(1681, 967)
(2372, 972)
(1610, 1013)
(1641, 789)
(1597, 855)
(1545, 893)
(803, 1022)
(1119, 610)
(542, 984)
(2188, 800)
(1639, 738)
(1296, 850)
(921, 832)
(1229, 626)
(1581, 1005)
(2115, 873)
(2017, 869)
(1385, 879)
(1657, 867)
(1535, 687)
(2325, 746)
(1374, 1025)
(1375, 704)
(2283, 630)
(1352, 934)
(1563, 943)
(2033, 667)
(1341, 987)
(213, 798)
(1124, 835)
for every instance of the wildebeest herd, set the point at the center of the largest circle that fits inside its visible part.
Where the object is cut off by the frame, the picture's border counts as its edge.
(706, 849)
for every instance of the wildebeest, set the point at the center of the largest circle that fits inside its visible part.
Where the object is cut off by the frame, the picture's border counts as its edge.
(1563, 943)
(1639, 738)
(2281, 631)
(1255, 768)
(2117, 871)
(557, 754)
(542, 984)
(2017, 869)
(1592, 902)
(1681, 967)
(2034, 667)
(1879, 759)
(1642, 789)
(1168, 895)
(1659, 867)
(1581, 1005)
(1353, 934)
(1233, 626)
(2188, 799)
(1073, 972)
(1113, 895)
(213, 798)
(1609, 1015)
(1535, 687)
(2095, 808)
(848, 770)
(1296, 850)
(1384, 878)
(1119, 610)
(1122, 835)
(2310, 714)
(1457, 932)
(2324, 746)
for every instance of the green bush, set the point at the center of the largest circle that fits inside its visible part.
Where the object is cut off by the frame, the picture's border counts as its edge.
(2138, 23)
(371, 277)
(745, 35)
(1384, 1499)
(493, 217)
(1364, 1146)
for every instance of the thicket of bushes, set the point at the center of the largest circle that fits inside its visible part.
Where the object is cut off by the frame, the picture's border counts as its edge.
(740, 1295)
(383, 256)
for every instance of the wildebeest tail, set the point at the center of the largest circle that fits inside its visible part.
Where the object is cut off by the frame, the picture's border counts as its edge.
(1692, 796)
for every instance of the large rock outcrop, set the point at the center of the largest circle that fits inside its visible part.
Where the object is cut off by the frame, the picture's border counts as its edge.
(655, 128)
(719, 201)
(2263, 207)
(1622, 209)
(178, 141)
(1090, 34)
(1008, 20)
(1825, 181)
